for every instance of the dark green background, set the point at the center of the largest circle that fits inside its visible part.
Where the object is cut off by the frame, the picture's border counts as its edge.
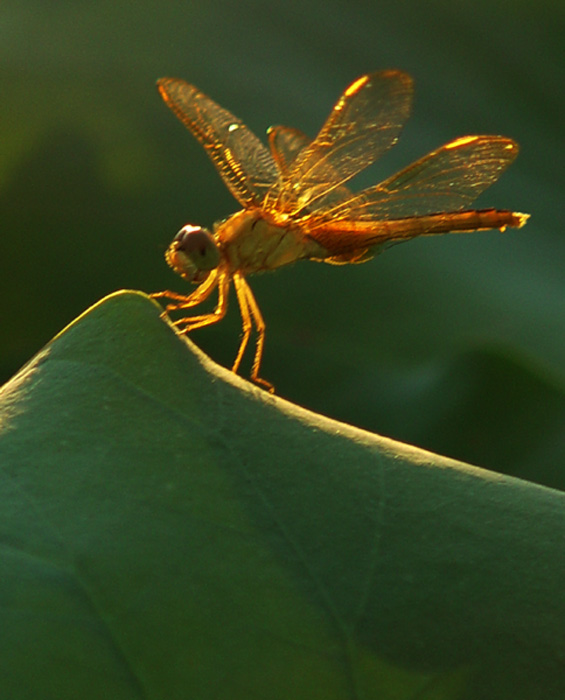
(456, 343)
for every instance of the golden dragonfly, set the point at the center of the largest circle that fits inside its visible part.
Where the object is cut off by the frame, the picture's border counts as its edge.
(296, 204)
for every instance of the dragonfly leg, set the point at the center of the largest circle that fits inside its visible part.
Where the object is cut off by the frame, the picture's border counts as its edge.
(250, 312)
(240, 285)
(191, 323)
(183, 301)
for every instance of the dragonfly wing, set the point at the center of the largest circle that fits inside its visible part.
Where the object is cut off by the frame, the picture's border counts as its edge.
(447, 179)
(285, 144)
(364, 123)
(244, 163)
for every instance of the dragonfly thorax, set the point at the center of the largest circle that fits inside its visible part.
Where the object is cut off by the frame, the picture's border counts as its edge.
(193, 254)
(250, 242)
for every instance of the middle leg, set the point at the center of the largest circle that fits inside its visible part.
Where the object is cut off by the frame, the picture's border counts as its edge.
(250, 311)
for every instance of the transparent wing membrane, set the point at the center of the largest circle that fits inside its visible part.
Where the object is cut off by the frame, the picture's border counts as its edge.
(245, 164)
(364, 123)
(285, 144)
(447, 179)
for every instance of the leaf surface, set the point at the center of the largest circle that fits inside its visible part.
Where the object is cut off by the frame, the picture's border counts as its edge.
(170, 531)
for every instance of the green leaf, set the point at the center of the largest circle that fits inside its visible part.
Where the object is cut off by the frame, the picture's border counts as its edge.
(170, 531)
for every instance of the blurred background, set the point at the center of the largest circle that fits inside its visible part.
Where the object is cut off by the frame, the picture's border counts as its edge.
(456, 343)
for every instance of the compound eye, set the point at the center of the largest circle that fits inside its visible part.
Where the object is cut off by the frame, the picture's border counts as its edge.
(199, 246)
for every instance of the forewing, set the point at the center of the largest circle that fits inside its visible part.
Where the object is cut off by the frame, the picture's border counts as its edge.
(364, 123)
(447, 179)
(244, 163)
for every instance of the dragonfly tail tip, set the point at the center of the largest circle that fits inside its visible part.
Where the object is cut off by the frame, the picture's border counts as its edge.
(521, 218)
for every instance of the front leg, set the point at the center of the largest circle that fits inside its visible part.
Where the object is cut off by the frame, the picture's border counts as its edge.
(200, 294)
(191, 323)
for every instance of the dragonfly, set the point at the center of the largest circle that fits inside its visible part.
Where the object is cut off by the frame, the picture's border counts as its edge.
(297, 205)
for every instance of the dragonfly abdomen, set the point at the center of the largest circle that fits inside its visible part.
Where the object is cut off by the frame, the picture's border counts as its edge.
(453, 222)
(344, 237)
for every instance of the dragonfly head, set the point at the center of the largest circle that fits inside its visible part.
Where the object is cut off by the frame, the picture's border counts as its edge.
(193, 254)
